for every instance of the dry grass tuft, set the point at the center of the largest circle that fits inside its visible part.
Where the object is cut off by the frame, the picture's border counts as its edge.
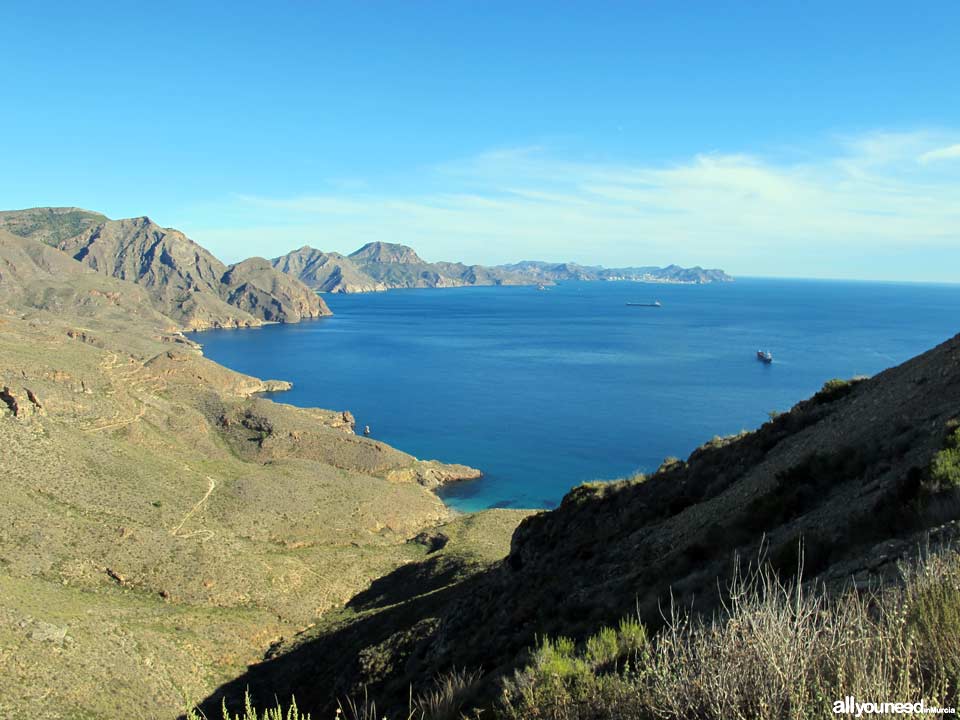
(776, 651)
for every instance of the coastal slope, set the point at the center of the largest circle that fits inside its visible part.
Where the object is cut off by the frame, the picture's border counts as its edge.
(162, 523)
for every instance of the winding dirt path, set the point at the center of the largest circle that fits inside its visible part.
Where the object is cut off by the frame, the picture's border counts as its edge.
(175, 532)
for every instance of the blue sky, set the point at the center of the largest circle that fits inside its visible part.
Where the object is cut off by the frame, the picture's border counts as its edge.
(816, 139)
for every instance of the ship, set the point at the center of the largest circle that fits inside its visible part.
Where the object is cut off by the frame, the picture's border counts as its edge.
(764, 356)
(655, 303)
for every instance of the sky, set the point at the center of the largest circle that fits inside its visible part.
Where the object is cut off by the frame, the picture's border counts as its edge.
(813, 139)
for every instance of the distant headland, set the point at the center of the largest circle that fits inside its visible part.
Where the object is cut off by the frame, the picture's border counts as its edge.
(381, 266)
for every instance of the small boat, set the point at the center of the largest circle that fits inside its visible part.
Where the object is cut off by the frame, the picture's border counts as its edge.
(541, 286)
(764, 356)
(366, 430)
(655, 303)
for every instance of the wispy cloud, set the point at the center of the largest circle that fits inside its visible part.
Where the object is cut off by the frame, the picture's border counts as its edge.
(951, 152)
(879, 195)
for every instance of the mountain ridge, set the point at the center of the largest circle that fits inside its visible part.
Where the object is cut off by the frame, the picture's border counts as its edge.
(185, 281)
(379, 266)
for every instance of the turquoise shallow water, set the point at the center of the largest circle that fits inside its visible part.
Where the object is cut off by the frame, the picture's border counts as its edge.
(544, 390)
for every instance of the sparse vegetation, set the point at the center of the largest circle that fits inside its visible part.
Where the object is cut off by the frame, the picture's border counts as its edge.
(251, 713)
(779, 650)
(835, 389)
(669, 463)
(776, 650)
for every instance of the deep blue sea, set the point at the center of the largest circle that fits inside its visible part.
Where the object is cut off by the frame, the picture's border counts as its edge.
(543, 390)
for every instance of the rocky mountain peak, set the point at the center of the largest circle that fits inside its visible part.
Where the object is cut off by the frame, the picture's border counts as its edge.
(381, 252)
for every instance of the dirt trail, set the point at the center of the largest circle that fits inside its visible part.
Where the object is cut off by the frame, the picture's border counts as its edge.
(136, 379)
(208, 534)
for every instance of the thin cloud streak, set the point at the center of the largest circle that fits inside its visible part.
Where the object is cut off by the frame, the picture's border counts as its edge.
(952, 152)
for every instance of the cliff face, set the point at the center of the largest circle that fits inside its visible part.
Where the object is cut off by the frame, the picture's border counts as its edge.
(844, 479)
(188, 283)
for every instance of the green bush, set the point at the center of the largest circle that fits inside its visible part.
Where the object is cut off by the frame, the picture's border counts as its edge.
(603, 648)
(835, 389)
(945, 467)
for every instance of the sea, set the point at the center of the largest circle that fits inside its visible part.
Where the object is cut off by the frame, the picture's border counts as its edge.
(546, 389)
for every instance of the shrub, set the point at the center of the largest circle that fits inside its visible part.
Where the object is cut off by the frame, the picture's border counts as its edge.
(632, 636)
(834, 390)
(603, 648)
(945, 467)
(669, 463)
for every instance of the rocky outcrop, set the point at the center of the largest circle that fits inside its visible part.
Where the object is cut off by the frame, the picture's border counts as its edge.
(9, 398)
(17, 405)
(432, 474)
(189, 368)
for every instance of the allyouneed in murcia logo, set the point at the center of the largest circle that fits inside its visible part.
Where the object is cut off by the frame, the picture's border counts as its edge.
(850, 706)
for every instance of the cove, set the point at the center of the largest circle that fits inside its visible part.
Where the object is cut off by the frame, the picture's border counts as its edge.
(543, 390)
